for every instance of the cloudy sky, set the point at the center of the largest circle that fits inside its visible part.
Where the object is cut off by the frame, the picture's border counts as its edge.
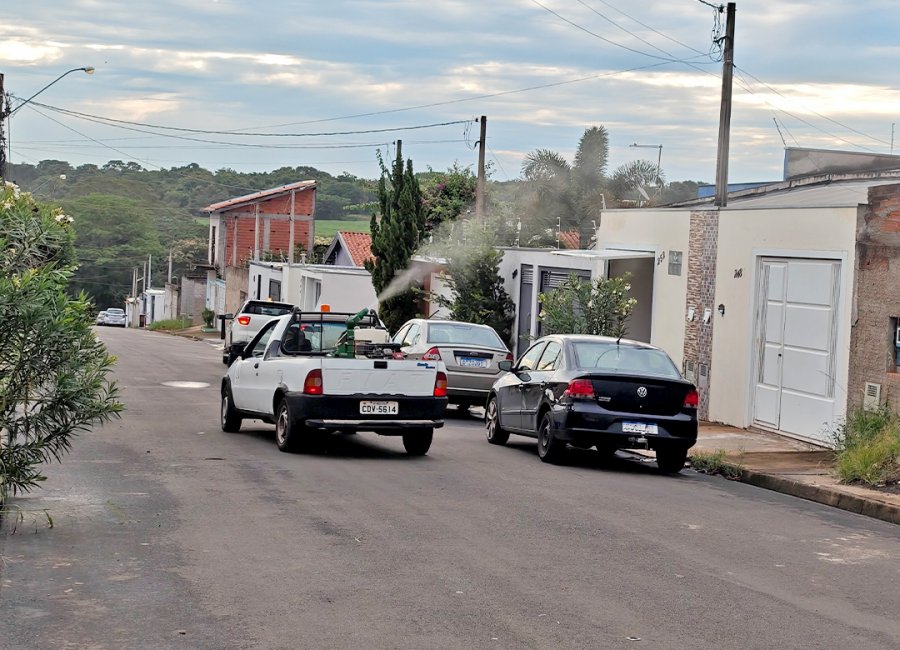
(541, 70)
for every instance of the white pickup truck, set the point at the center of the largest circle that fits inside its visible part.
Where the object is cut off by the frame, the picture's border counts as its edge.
(311, 373)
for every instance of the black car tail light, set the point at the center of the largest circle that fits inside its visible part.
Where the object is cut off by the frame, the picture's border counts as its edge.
(692, 399)
(580, 389)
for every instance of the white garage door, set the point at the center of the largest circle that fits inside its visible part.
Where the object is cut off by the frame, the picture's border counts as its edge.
(796, 304)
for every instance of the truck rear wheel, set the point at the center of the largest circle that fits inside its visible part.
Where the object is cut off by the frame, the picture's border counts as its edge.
(291, 436)
(231, 420)
(417, 442)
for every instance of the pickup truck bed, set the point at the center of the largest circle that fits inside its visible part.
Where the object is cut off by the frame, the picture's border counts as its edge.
(306, 394)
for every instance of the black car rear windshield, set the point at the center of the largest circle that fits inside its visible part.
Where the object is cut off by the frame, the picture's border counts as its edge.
(461, 333)
(624, 359)
(267, 309)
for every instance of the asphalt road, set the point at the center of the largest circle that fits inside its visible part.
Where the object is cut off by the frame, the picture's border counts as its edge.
(169, 533)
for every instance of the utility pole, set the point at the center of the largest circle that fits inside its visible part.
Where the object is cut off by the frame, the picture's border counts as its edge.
(134, 300)
(725, 113)
(4, 110)
(149, 271)
(169, 277)
(479, 187)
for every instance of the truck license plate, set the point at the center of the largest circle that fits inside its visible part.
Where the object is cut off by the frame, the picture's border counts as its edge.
(379, 408)
(640, 427)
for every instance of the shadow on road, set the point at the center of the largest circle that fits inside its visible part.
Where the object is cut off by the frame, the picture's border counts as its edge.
(364, 445)
(621, 462)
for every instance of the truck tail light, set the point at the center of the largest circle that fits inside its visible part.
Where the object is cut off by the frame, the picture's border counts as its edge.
(440, 385)
(243, 320)
(580, 389)
(433, 354)
(313, 383)
(692, 399)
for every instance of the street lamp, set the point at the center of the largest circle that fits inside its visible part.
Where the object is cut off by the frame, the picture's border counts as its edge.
(6, 112)
(658, 159)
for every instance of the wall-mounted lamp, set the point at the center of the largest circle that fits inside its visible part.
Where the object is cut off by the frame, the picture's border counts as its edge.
(722, 310)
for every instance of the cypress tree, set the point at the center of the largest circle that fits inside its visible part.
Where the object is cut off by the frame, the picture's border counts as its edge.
(394, 241)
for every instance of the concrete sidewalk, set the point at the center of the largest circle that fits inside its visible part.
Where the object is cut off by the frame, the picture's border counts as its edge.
(797, 468)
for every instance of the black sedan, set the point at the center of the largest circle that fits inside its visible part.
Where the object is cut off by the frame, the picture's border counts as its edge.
(595, 391)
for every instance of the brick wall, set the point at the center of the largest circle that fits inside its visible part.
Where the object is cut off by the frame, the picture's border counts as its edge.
(274, 233)
(877, 292)
(701, 291)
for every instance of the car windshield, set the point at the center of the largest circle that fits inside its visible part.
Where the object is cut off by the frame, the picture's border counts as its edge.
(312, 337)
(624, 359)
(462, 333)
(267, 309)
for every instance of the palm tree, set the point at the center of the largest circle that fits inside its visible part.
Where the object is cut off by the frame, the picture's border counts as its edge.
(571, 196)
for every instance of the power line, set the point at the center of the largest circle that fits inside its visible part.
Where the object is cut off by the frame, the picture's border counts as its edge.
(603, 38)
(253, 134)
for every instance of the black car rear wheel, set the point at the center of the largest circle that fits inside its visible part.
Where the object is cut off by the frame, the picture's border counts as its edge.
(550, 449)
(671, 460)
(495, 434)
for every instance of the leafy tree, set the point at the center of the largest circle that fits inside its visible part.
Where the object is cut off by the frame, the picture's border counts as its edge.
(571, 196)
(581, 307)
(53, 370)
(473, 277)
(638, 182)
(395, 238)
(447, 195)
(680, 191)
(113, 235)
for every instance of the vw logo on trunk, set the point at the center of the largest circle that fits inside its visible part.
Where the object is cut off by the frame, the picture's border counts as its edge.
(642, 392)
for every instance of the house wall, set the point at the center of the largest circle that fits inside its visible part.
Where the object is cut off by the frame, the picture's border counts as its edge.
(343, 258)
(237, 280)
(659, 232)
(233, 232)
(873, 352)
(192, 299)
(345, 290)
(261, 275)
(744, 236)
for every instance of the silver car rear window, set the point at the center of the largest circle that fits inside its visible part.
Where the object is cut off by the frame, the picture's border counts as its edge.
(460, 333)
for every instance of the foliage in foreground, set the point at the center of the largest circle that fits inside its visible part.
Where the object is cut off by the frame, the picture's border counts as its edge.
(716, 462)
(580, 306)
(53, 370)
(867, 448)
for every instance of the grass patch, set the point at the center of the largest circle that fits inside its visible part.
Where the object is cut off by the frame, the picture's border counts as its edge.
(716, 462)
(868, 448)
(329, 227)
(170, 325)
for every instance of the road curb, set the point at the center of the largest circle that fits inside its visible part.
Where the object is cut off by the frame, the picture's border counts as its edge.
(824, 495)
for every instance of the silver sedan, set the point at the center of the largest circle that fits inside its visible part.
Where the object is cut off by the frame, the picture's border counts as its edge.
(471, 353)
